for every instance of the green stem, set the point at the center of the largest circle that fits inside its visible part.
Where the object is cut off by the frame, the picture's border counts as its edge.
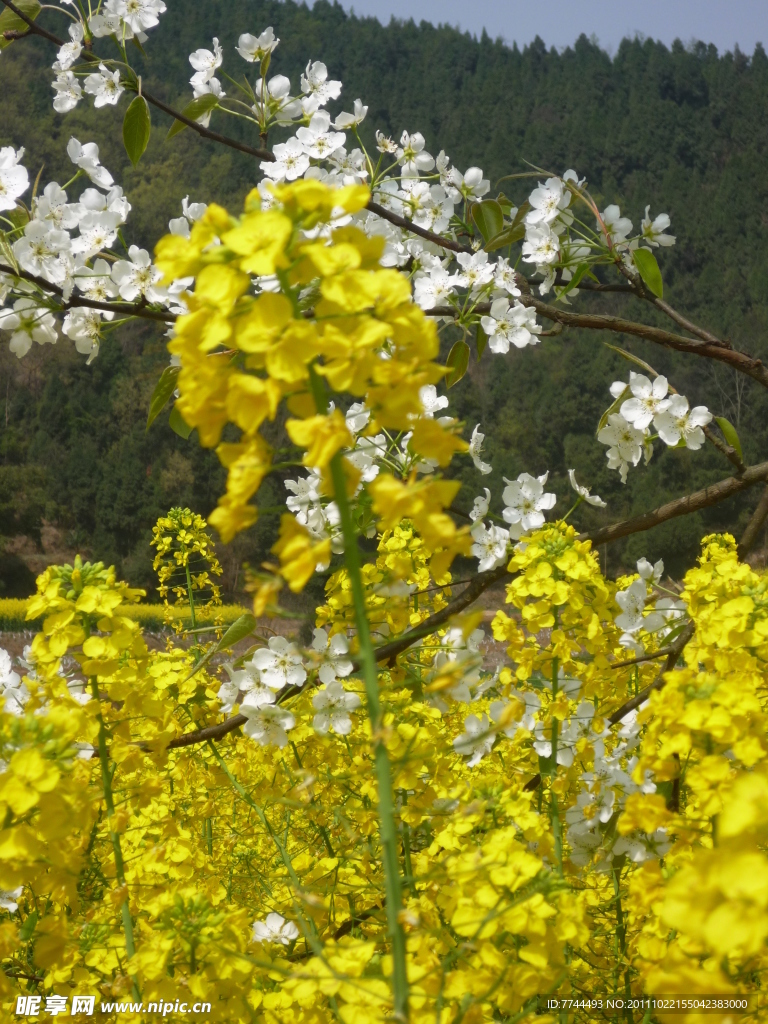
(190, 595)
(556, 823)
(387, 821)
(106, 780)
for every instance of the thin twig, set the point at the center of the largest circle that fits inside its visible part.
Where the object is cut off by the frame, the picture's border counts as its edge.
(754, 526)
(676, 649)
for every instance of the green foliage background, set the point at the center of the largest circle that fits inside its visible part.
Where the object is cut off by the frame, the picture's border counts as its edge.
(683, 128)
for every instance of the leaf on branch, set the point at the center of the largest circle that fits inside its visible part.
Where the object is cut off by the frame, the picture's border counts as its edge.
(178, 424)
(581, 271)
(164, 388)
(11, 22)
(457, 362)
(481, 340)
(136, 129)
(202, 105)
(648, 267)
(488, 217)
(729, 433)
(239, 630)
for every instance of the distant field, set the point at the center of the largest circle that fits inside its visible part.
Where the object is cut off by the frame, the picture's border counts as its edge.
(13, 612)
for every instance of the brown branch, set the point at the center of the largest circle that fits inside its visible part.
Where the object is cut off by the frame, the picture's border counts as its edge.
(645, 657)
(754, 526)
(207, 133)
(728, 451)
(211, 732)
(675, 650)
(684, 506)
(683, 322)
(407, 225)
(77, 301)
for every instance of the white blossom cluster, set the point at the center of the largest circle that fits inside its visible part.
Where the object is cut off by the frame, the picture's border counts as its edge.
(643, 612)
(254, 687)
(71, 246)
(640, 405)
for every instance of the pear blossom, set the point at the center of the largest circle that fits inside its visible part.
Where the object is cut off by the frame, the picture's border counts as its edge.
(583, 492)
(315, 85)
(477, 739)
(105, 87)
(526, 501)
(430, 206)
(434, 288)
(213, 87)
(305, 493)
(527, 721)
(52, 206)
(541, 246)
(618, 227)
(274, 99)
(14, 179)
(412, 156)
(335, 654)
(139, 15)
(632, 602)
(490, 545)
(206, 63)
(431, 402)
(275, 929)
(653, 230)
(68, 91)
(28, 323)
(268, 725)
(333, 704)
(648, 400)
(475, 450)
(677, 422)
(40, 249)
(137, 277)
(505, 278)
(97, 231)
(256, 48)
(471, 185)
(345, 121)
(384, 144)
(9, 898)
(476, 272)
(93, 201)
(316, 138)
(291, 161)
(86, 157)
(365, 455)
(547, 201)
(651, 573)
(279, 664)
(516, 325)
(480, 508)
(70, 51)
(83, 326)
(626, 443)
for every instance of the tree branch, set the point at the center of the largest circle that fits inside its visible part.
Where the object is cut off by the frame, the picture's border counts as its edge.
(684, 506)
(754, 526)
(675, 650)
(407, 225)
(77, 301)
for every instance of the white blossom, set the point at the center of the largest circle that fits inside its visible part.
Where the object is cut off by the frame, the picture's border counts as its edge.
(490, 545)
(583, 492)
(68, 91)
(316, 138)
(480, 508)
(40, 248)
(507, 325)
(70, 51)
(471, 185)
(412, 156)
(677, 422)
(333, 704)
(618, 227)
(9, 898)
(52, 206)
(476, 449)
(653, 230)
(86, 157)
(505, 278)
(335, 655)
(275, 929)
(317, 88)
(291, 161)
(431, 402)
(206, 63)
(476, 272)
(526, 501)
(97, 231)
(274, 99)
(648, 400)
(651, 573)
(632, 602)
(105, 87)
(279, 664)
(625, 441)
(14, 179)
(547, 201)
(28, 323)
(541, 246)
(476, 741)
(83, 326)
(268, 725)
(137, 277)
(433, 288)
(256, 48)
(345, 121)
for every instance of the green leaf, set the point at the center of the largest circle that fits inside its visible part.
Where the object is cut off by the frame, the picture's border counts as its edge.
(27, 929)
(488, 217)
(458, 361)
(136, 128)
(178, 424)
(481, 340)
(11, 22)
(625, 394)
(581, 271)
(164, 388)
(506, 237)
(192, 111)
(730, 435)
(239, 630)
(646, 263)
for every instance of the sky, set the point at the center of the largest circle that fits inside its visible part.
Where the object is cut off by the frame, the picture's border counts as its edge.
(725, 23)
